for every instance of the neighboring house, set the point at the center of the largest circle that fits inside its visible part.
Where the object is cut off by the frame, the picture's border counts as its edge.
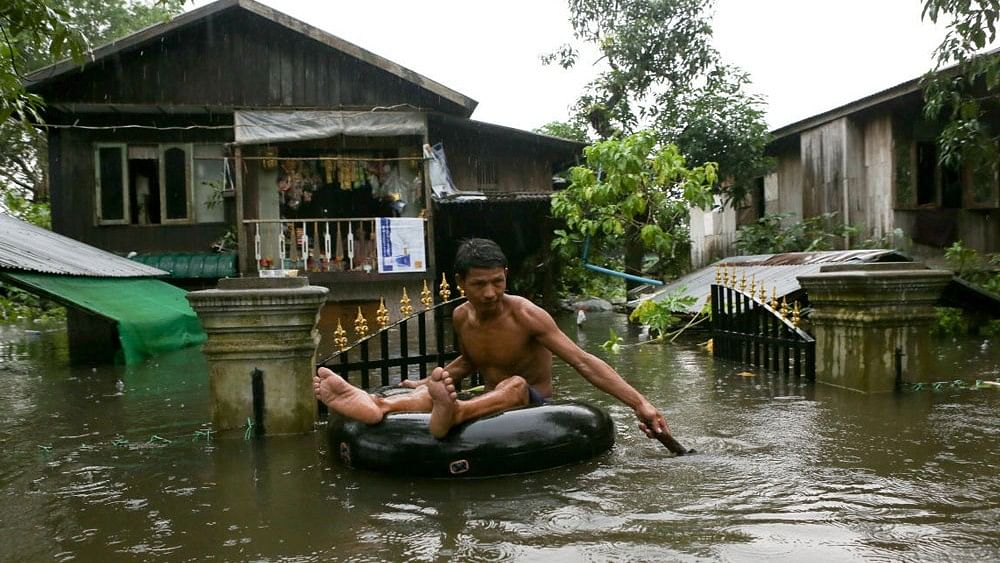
(237, 117)
(874, 162)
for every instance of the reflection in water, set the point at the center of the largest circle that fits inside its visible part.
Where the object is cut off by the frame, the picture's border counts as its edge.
(785, 471)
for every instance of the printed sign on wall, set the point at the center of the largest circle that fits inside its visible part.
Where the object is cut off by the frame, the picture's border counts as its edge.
(400, 245)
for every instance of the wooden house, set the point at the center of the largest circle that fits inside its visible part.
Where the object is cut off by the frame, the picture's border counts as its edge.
(237, 118)
(874, 162)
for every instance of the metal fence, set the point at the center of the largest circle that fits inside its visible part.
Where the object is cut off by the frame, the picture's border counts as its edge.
(747, 328)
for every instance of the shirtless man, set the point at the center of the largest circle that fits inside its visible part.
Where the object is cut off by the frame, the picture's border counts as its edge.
(508, 340)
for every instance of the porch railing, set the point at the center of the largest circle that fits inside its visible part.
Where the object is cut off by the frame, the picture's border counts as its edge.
(314, 245)
(749, 329)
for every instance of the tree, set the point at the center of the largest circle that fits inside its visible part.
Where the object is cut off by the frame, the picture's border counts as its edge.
(662, 72)
(573, 131)
(630, 187)
(34, 33)
(963, 96)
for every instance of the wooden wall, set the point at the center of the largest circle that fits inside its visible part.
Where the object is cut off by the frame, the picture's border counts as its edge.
(73, 193)
(521, 162)
(236, 58)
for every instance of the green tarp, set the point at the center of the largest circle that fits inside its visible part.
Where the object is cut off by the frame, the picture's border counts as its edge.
(152, 316)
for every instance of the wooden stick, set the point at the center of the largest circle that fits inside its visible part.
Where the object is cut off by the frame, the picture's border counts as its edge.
(668, 441)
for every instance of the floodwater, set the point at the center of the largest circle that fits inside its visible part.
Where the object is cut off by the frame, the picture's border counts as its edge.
(94, 470)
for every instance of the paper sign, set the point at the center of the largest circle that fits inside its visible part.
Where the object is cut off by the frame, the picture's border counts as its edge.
(400, 243)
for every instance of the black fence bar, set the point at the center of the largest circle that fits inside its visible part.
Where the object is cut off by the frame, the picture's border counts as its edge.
(752, 332)
(395, 351)
(422, 341)
(384, 364)
(404, 350)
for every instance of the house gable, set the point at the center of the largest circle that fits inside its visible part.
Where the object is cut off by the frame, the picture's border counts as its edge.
(238, 53)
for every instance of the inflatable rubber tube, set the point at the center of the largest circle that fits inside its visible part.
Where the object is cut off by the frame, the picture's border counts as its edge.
(522, 440)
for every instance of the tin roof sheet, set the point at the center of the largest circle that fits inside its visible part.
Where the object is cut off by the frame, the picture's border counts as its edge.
(777, 272)
(25, 247)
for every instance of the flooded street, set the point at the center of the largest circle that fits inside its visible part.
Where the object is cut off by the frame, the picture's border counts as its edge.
(97, 470)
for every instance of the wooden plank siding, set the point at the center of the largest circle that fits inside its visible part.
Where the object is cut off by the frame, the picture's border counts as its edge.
(522, 163)
(73, 199)
(238, 59)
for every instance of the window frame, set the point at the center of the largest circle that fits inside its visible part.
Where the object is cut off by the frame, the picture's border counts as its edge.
(126, 214)
(188, 149)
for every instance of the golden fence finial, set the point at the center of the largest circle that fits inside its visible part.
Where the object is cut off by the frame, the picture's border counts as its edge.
(784, 308)
(725, 278)
(743, 283)
(382, 314)
(445, 291)
(340, 336)
(753, 285)
(732, 277)
(461, 292)
(796, 315)
(404, 305)
(718, 274)
(426, 297)
(763, 293)
(360, 325)
(774, 298)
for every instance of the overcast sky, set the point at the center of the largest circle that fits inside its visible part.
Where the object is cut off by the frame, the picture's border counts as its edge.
(804, 56)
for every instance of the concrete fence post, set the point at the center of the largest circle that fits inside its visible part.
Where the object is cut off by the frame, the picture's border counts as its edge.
(265, 324)
(863, 314)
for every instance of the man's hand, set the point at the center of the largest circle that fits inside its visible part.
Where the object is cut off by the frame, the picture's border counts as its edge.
(651, 422)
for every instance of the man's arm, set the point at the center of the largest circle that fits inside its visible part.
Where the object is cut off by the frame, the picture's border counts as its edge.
(593, 369)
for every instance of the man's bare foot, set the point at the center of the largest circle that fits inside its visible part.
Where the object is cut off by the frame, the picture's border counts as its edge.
(345, 399)
(445, 400)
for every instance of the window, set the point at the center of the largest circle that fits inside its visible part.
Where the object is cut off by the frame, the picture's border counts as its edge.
(109, 162)
(921, 181)
(158, 184)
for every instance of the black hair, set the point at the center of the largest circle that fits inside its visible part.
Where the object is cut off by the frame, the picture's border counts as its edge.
(478, 253)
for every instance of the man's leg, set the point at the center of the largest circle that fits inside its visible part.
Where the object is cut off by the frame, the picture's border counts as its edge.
(347, 400)
(448, 411)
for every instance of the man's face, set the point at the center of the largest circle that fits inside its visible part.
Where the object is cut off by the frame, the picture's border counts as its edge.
(484, 287)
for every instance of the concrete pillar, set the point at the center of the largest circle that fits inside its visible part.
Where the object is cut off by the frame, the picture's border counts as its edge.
(863, 313)
(265, 324)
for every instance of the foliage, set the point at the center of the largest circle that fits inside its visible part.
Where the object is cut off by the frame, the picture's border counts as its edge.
(720, 122)
(614, 342)
(769, 234)
(17, 305)
(949, 321)
(36, 213)
(571, 130)
(662, 71)
(963, 95)
(574, 279)
(660, 316)
(973, 268)
(630, 190)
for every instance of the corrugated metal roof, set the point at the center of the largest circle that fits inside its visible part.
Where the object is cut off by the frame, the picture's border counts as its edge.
(776, 271)
(27, 248)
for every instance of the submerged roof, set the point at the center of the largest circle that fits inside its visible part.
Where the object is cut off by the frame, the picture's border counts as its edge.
(777, 272)
(27, 248)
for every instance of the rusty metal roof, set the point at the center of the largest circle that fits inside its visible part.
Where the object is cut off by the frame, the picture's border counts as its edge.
(27, 248)
(778, 272)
